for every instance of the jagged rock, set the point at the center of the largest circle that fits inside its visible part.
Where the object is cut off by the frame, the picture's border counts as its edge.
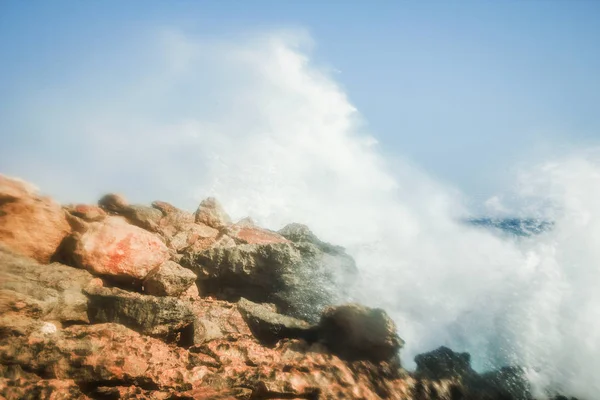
(94, 355)
(29, 291)
(161, 317)
(196, 237)
(269, 327)
(299, 233)
(211, 213)
(30, 224)
(295, 369)
(114, 247)
(299, 278)
(443, 363)
(215, 319)
(169, 279)
(355, 332)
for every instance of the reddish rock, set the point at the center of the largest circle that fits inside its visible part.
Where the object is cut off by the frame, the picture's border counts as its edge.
(30, 224)
(294, 369)
(211, 213)
(114, 247)
(95, 354)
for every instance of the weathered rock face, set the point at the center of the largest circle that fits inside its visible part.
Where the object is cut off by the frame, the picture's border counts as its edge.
(294, 369)
(17, 384)
(31, 291)
(247, 234)
(216, 349)
(115, 248)
(169, 279)
(29, 224)
(269, 327)
(95, 355)
(216, 319)
(211, 213)
(356, 332)
(299, 278)
(161, 317)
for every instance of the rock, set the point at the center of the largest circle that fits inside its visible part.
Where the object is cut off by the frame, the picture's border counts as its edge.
(113, 203)
(194, 237)
(294, 369)
(299, 278)
(147, 218)
(299, 233)
(97, 355)
(211, 213)
(355, 332)
(269, 327)
(86, 212)
(255, 235)
(216, 319)
(30, 224)
(29, 291)
(169, 279)
(443, 363)
(161, 317)
(115, 248)
(505, 383)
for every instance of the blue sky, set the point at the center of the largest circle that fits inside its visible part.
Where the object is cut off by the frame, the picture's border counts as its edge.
(467, 90)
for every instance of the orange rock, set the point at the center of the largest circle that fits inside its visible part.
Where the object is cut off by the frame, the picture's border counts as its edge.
(114, 247)
(30, 224)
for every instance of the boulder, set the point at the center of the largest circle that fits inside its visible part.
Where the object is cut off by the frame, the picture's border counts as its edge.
(269, 327)
(145, 217)
(88, 213)
(161, 317)
(211, 213)
(30, 224)
(356, 332)
(113, 203)
(115, 248)
(169, 279)
(443, 363)
(299, 278)
(30, 291)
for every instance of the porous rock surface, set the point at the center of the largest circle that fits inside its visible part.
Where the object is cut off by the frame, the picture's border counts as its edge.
(256, 314)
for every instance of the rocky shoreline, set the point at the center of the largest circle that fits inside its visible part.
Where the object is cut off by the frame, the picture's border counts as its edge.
(121, 301)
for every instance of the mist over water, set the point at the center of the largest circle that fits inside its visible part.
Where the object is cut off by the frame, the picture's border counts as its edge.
(273, 136)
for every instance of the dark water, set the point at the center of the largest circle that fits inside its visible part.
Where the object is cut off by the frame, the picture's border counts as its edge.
(524, 227)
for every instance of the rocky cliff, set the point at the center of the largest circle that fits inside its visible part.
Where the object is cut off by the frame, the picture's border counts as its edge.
(121, 301)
